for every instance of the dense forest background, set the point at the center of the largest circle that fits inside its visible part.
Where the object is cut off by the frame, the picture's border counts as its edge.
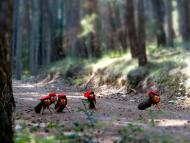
(47, 31)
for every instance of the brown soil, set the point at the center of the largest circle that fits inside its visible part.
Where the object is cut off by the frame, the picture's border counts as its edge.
(115, 110)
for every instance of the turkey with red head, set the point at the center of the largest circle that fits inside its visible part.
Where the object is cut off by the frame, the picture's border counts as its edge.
(61, 102)
(153, 98)
(91, 97)
(45, 102)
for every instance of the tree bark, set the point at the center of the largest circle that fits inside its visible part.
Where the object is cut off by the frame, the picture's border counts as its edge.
(142, 58)
(6, 96)
(112, 26)
(131, 29)
(120, 28)
(72, 26)
(158, 11)
(92, 39)
(184, 21)
(18, 37)
(34, 37)
(169, 17)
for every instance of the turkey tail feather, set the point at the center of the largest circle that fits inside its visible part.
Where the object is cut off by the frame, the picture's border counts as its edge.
(145, 104)
(38, 107)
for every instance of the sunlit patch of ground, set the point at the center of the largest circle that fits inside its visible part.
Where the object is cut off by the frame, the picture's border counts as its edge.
(172, 122)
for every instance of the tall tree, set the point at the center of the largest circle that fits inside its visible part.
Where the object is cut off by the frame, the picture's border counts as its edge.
(60, 25)
(136, 35)
(141, 34)
(112, 26)
(51, 28)
(72, 26)
(131, 29)
(184, 21)
(18, 37)
(45, 31)
(169, 17)
(6, 96)
(159, 13)
(121, 30)
(90, 26)
(92, 9)
(34, 36)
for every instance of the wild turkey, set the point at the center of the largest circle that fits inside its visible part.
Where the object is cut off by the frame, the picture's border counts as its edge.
(91, 97)
(61, 102)
(153, 99)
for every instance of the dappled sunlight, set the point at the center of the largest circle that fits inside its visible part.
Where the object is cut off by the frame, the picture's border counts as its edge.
(87, 24)
(106, 61)
(27, 98)
(24, 86)
(172, 122)
(125, 123)
(186, 71)
(28, 94)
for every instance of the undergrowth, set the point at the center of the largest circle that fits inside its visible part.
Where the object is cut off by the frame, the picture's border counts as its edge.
(136, 134)
(165, 68)
(79, 133)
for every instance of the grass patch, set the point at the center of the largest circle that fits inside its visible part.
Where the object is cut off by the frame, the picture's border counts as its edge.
(136, 134)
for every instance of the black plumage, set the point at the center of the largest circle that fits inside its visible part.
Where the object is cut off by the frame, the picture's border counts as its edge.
(145, 104)
(45, 102)
(38, 107)
(92, 103)
(61, 104)
(153, 99)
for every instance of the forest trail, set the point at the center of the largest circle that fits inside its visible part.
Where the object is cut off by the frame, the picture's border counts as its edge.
(115, 110)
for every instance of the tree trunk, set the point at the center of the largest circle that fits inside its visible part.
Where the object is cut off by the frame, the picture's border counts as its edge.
(158, 11)
(120, 28)
(112, 27)
(6, 96)
(142, 58)
(169, 17)
(184, 23)
(72, 26)
(52, 8)
(19, 34)
(131, 29)
(92, 39)
(60, 24)
(46, 27)
(34, 37)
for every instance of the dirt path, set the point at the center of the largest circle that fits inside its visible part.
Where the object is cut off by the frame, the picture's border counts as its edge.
(115, 110)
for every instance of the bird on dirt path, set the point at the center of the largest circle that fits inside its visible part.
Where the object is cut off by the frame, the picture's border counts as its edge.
(153, 99)
(45, 102)
(61, 102)
(91, 98)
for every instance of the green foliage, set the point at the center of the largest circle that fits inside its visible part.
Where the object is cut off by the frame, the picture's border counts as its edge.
(164, 68)
(80, 132)
(135, 134)
(89, 116)
(78, 81)
(25, 135)
(152, 115)
(52, 125)
(130, 134)
(67, 67)
(87, 24)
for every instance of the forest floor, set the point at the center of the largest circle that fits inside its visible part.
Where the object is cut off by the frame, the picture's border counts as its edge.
(115, 119)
